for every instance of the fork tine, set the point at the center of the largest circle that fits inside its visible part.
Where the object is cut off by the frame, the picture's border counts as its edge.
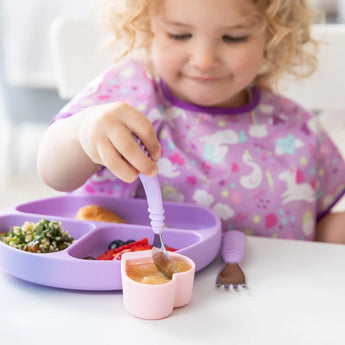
(232, 287)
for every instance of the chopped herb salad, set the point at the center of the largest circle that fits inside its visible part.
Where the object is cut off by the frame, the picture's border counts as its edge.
(42, 237)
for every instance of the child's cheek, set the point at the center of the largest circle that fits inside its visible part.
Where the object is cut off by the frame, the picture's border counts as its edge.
(165, 54)
(248, 62)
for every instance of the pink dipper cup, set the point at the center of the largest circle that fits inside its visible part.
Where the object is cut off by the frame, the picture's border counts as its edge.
(155, 301)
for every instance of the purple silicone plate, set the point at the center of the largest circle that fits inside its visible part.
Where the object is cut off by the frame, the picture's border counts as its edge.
(194, 230)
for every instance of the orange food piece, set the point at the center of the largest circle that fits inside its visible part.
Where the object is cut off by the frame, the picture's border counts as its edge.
(98, 213)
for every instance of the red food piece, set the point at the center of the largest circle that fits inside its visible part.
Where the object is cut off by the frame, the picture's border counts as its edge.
(116, 253)
(169, 249)
(111, 253)
(137, 248)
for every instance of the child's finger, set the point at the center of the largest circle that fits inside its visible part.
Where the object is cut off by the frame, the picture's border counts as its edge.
(143, 129)
(131, 151)
(116, 163)
(152, 145)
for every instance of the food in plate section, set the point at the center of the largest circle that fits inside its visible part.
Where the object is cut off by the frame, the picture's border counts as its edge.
(45, 236)
(116, 253)
(98, 213)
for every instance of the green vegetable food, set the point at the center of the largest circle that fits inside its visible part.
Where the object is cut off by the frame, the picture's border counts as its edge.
(42, 237)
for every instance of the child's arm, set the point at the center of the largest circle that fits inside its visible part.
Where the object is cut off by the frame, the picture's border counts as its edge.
(331, 228)
(74, 148)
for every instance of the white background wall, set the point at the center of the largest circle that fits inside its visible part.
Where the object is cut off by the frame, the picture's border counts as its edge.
(28, 98)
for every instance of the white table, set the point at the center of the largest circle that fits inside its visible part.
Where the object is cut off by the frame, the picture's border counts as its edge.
(296, 295)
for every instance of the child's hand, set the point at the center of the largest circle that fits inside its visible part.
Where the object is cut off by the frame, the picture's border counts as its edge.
(106, 135)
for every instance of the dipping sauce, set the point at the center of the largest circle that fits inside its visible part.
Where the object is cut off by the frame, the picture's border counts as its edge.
(146, 272)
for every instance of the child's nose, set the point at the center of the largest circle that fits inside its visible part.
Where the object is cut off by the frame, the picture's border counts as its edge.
(204, 56)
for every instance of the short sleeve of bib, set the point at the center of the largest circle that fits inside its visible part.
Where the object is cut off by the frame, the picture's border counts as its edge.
(330, 174)
(127, 82)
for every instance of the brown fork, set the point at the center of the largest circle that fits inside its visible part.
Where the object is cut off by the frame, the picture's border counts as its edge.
(231, 275)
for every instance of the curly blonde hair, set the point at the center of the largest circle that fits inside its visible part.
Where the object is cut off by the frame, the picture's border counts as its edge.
(290, 47)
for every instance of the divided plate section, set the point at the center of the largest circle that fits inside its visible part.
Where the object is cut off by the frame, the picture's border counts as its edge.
(133, 211)
(75, 228)
(106, 274)
(41, 268)
(97, 242)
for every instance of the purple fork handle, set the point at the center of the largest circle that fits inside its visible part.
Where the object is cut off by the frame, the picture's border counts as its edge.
(154, 200)
(233, 246)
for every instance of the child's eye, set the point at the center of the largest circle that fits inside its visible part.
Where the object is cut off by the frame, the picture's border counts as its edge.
(182, 37)
(234, 39)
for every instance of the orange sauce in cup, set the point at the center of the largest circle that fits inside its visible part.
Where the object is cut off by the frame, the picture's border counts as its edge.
(146, 272)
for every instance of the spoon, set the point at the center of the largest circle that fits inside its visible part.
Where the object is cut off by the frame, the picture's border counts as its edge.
(160, 256)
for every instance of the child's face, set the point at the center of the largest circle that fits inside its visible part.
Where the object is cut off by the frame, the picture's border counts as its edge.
(207, 51)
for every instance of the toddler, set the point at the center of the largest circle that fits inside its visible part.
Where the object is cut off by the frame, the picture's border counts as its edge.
(201, 100)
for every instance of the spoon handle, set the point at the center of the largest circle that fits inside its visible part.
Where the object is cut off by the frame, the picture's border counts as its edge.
(154, 199)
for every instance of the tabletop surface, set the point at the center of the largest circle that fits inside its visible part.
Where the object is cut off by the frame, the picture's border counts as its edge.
(296, 295)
